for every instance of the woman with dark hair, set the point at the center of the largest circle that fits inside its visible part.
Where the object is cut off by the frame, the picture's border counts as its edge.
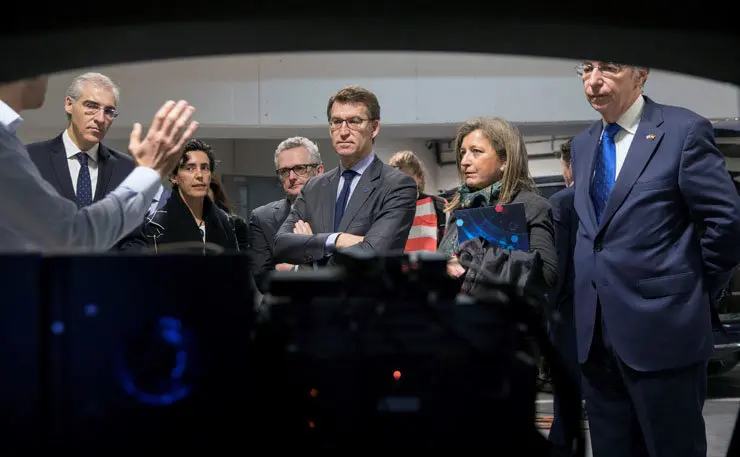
(189, 216)
(218, 195)
(493, 168)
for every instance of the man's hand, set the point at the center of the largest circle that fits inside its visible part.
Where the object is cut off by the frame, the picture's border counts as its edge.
(454, 268)
(345, 240)
(302, 228)
(284, 267)
(161, 149)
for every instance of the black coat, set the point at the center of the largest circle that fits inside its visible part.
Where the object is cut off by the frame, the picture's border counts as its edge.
(174, 223)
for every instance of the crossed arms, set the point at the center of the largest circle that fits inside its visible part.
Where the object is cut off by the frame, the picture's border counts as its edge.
(387, 230)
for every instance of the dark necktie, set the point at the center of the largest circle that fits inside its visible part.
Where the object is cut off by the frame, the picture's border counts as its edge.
(84, 184)
(341, 203)
(605, 170)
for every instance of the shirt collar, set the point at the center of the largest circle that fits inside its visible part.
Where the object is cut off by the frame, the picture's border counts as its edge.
(630, 119)
(72, 149)
(363, 164)
(9, 119)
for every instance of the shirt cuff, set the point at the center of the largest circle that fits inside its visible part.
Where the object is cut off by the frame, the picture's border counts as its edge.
(143, 180)
(331, 243)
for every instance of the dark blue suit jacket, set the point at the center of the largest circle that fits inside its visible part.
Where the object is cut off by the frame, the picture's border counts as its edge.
(51, 160)
(668, 238)
(565, 221)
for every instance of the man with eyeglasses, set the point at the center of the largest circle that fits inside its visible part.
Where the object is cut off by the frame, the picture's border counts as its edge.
(297, 160)
(35, 218)
(656, 244)
(364, 205)
(75, 162)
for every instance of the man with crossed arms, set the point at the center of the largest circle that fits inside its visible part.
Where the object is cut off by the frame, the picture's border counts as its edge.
(364, 205)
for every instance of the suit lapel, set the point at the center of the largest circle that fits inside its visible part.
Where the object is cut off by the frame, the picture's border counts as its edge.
(281, 210)
(60, 166)
(646, 140)
(327, 205)
(592, 147)
(106, 162)
(365, 188)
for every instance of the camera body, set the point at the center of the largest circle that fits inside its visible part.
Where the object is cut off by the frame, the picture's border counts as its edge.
(382, 354)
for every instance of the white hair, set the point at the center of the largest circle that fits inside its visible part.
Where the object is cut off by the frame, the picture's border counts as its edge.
(74, 91)
(296, 142)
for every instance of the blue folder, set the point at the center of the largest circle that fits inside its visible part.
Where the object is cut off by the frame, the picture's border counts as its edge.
(501, 225)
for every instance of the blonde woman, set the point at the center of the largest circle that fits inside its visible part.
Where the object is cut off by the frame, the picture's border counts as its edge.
(493, 169)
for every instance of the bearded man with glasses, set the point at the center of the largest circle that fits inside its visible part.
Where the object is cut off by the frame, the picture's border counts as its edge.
(363, 205)
(297, 160)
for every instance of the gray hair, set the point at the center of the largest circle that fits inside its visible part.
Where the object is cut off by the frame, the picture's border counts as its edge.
(74, 91)
(296, 142)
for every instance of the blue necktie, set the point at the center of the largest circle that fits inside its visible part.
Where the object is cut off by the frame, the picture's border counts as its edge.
(341, 203)
(84, 184)
(605, 170)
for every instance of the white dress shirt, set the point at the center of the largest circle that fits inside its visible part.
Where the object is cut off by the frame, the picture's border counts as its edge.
(202, 229)
(623, 139)
(359, 168)
(74, 164)
(35, 218)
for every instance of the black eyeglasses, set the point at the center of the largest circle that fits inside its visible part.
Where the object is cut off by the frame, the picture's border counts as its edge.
(354, 123)
(299, 170)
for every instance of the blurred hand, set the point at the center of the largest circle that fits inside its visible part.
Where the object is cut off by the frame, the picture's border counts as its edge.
(284, 266)
(345, 240)
(454, 268)
(302, 228)
(161, 149)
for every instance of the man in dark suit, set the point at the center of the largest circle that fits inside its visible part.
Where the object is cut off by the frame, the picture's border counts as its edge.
(363, 205)
(76, 163)
(657, 241)
(297, 160)
(560, 298)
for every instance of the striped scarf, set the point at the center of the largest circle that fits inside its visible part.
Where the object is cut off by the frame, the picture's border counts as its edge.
(423, 235)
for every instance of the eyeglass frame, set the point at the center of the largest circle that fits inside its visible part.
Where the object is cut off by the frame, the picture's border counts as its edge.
(287, 170)
(334, 127)
(619, 67)
(92, 108)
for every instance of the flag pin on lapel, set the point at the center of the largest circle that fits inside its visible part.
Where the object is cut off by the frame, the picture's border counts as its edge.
(650, 137)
